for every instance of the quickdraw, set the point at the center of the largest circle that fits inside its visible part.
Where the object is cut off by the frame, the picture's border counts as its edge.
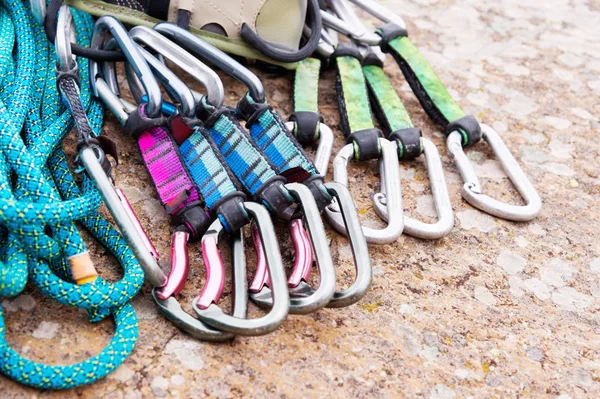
(270, 139)
(461, 130)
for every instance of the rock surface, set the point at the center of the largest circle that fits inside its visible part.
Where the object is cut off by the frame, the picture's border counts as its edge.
(495, 309)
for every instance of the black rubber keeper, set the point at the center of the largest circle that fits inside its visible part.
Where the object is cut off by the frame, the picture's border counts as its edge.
(307, 126)
(367, 142)
(273, 195)
(193, 220)
(469, 125)
(231, 210)
(389, 32)
(411, 141)
(315, 184)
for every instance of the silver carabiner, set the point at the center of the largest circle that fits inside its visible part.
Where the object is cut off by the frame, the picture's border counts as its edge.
(304, 299)
(109, 24)
(214, 87)
(472, 191)
(358, 31)
(392, 189)
(114, 199)
(210, 313)
(38, 9)
(207, 51)
(380, 12)
(439, 191)
(165, 297)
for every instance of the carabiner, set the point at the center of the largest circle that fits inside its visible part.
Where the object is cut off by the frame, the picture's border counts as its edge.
(214, 87)
(109, 24)
(439, 191)
(349, 24)
(393, 190)
(165, 297)
(303, 299)
(115, 200)
(38, 9)
(472, 191)
(320, 297)
(205, 305)
(207, 51)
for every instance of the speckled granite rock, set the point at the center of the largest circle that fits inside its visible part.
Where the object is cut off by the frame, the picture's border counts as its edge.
(496, 309)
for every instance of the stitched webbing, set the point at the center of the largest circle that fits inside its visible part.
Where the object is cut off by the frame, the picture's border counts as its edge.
(209, 174)
(392, 112)
(166, 168)
(353, 98)
(306, 85)
(428, 88)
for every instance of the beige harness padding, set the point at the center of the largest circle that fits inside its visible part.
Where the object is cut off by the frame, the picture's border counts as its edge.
(276, 21)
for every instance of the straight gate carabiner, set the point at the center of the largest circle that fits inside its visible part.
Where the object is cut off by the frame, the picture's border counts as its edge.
(472, 191)
(388, 163)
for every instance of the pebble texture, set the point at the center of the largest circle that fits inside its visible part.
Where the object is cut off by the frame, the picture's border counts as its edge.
(495, 309)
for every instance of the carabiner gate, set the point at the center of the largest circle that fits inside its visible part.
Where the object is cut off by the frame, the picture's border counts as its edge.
(205, 305)
(303, 299)
(439, 191)
(472, 191)
(165, 297)
(393, 190)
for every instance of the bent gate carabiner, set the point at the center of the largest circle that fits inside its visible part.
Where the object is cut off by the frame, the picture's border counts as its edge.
(205, 305)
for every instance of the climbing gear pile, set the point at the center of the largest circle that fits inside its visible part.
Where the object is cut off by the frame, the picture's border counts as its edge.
(219, 172)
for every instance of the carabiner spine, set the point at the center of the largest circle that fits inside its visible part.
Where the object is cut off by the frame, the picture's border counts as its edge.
(154, 273)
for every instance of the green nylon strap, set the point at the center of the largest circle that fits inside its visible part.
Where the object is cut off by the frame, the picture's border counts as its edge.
(306, 86)
(356, 97)
(427, 78)
(392, 108)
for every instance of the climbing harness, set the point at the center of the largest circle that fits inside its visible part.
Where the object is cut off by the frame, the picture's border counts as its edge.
(462, 131)
(268, 136)
(232, 26)
(38, 237)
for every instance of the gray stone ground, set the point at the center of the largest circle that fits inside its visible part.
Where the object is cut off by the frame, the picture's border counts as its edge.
(496, 309)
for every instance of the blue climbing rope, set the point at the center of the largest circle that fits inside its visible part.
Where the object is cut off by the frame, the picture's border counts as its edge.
(40, 200)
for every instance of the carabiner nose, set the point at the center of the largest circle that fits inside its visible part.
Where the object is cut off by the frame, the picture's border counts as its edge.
(472, 191)
(393, 192)
(439, 191)
(303, 298)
